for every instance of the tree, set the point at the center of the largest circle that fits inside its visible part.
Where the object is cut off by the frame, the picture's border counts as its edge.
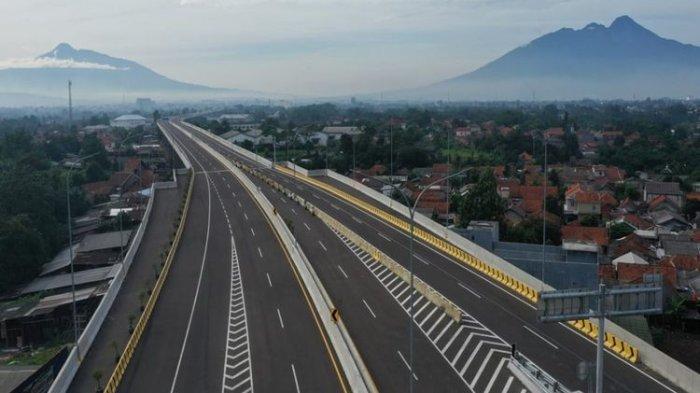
(22, 251)
(620, 230)
(482, 202)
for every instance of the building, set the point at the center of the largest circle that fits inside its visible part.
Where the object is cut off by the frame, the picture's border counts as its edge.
(145, 104)
(671, 190)
(236, 118)
(336, 132)
(129, 121)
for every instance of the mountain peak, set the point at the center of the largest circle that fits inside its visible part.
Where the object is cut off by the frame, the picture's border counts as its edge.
(61, 51)
(624, 22)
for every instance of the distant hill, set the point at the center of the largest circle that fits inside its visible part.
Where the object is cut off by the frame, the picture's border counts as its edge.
(96, 77)
(623, 60)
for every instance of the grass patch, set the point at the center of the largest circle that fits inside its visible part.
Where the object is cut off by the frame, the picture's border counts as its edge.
(33, 358)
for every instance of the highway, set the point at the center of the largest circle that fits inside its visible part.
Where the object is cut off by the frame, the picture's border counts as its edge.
(233, 315)
(556, 348)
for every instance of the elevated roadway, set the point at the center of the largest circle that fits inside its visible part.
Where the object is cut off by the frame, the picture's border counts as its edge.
(377, 321)
(557, 348)
(219, 325)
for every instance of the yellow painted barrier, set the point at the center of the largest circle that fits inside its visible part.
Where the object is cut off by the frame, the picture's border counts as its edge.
(119, 370)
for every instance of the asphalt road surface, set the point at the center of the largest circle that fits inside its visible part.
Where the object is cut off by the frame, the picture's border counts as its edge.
(219, 325)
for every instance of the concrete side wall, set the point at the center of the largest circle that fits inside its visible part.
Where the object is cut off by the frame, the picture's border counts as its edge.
(70, 367)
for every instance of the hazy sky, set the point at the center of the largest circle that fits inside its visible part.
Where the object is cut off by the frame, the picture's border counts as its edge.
(316, 47)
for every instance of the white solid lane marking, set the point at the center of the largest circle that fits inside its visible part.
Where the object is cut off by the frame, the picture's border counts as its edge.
(369, 308)
(406, 364)
(540, 337)
(196, 293)
(420, 258)
(307, 227)
(279, 314)
(260, 252)
(296, 381)
(322, 246)
(342, 271)
(268, 279)
(252, 231)
(383, 236)
(470, 291)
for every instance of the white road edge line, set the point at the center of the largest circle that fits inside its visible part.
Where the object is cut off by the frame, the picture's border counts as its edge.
(540, 337)
(470, 291)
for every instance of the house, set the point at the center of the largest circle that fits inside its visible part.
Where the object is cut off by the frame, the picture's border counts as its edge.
(661, 203)
(670, 221)
(629, 258)
(335, 132)
(228, 135)
(580, 201)
(671, 190)
(580, 238)
(319, 138)
(635, 222)
(237, 118)
(554, 132)
(255, 136)
(129, 121)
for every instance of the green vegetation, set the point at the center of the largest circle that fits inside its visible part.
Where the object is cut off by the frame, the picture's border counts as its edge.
(482, 202)
(33, 212)
(36, 357)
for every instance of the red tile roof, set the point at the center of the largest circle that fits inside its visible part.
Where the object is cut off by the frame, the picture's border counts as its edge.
(637, 221)
(585, 234)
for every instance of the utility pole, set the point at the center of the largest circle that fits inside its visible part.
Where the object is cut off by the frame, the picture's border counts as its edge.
(544, 207)
(70, 105)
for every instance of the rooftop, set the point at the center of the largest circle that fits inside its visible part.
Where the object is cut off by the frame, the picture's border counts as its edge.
(103, 241)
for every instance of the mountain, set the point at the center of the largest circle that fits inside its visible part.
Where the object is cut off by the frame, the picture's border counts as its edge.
(623, 60)
(96, 77)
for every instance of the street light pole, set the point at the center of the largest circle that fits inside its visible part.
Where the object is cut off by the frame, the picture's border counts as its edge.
(70, 256)
(544, 209)
(72, 271)
(412, 213)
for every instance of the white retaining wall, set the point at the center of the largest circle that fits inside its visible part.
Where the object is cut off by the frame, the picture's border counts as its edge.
(77, 354)
(70, 367)
(244, 152)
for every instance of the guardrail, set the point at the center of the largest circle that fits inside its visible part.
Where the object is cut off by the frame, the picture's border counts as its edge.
(353, 366)
(135, 337)
(70, 367)
(533, 377)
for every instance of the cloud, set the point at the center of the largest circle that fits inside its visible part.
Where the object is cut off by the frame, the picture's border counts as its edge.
(47, 62)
